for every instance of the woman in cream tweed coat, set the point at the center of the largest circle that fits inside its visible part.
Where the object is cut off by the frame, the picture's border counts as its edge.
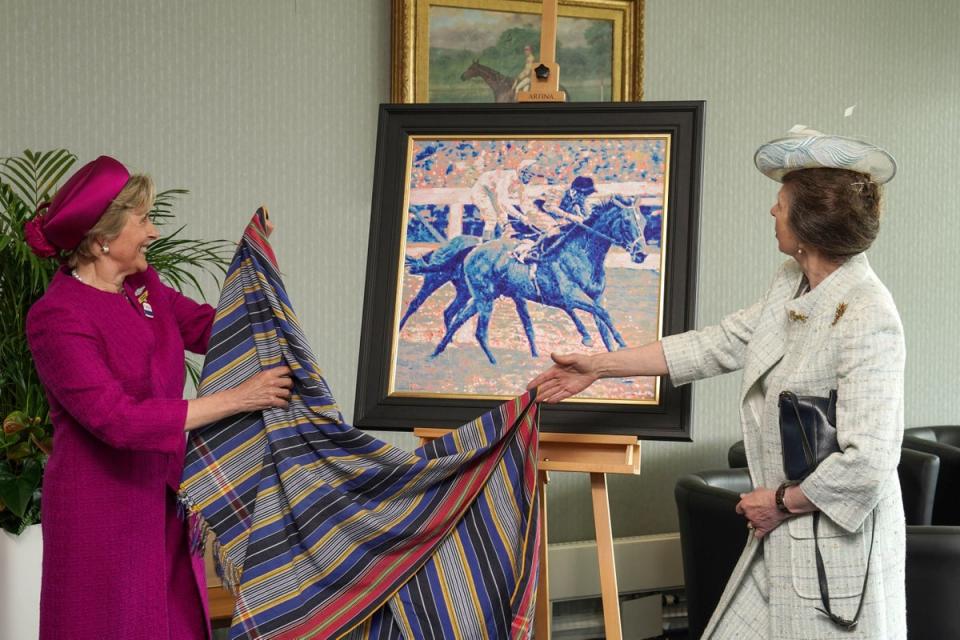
(826, 322)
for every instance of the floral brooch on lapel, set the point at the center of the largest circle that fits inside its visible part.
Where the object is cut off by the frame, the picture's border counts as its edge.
(841, 309)
(142, 296)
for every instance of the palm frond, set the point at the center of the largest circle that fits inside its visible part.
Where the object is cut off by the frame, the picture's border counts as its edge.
(179, 260)
(34, 175)
(194, 369)
(53, 166)
(162, 211)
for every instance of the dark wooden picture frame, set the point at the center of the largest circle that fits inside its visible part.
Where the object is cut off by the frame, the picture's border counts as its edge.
(399, 125)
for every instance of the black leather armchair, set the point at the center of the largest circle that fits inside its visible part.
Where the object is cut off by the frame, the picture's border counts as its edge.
(943, 442)
(711, 552)
(933, 581)
(918, 471)
(712, 535)
(737, 455)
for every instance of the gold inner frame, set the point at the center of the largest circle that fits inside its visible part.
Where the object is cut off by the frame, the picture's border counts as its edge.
(398, 284)
(411, 48)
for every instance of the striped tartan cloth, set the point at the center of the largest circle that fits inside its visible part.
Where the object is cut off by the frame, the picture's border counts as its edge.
(323, 531)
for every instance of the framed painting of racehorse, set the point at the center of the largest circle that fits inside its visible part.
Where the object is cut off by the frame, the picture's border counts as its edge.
(502, 233)
(484, 50)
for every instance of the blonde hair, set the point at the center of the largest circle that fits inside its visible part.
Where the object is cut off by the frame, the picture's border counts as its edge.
(139, 193)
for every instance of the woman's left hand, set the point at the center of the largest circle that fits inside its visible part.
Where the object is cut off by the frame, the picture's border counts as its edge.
(759, 507)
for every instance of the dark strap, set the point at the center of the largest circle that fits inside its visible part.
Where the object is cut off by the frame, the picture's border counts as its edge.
(843, 623)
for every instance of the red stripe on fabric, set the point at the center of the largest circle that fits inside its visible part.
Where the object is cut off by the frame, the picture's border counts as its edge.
(472, 484)
(521, 621)
(222, 483)
(256, 233)
(423, 546)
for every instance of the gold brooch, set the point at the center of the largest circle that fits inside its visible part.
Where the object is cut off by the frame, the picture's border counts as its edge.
(841, 309)
(796, 317)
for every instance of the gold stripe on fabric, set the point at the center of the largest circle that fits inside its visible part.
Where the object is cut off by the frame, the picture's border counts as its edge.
(221, 462)
(532, 505)
(348, 605)
(296, 499)
(220, 373)
(226, 311)
(323, 541)
(206, 503)
(319, 630)
(471, 581)
(513, 505)
(499, 527)
(447, 601)
(402, 620)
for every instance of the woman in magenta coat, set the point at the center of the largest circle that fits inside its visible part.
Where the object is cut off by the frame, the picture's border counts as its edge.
(108, 340)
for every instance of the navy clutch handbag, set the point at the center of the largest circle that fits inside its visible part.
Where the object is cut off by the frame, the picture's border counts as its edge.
(808, 432)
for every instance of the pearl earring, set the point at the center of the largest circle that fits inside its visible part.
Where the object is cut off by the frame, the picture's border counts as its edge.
(799, 251)
(105, 248)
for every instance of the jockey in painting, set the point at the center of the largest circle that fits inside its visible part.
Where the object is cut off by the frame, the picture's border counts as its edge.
(548, 217)
(497, 194)
(522, 81)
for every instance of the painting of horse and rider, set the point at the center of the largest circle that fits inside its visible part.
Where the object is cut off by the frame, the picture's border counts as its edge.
(514, 248)
(479, 55)
(445, 51)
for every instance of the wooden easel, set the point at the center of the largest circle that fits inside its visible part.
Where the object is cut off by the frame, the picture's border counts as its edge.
(545, 76)
(597, 455)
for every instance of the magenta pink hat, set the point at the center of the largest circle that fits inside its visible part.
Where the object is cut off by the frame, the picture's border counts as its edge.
(76, 208)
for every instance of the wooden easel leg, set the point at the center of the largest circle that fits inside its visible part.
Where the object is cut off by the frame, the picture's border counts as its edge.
(542, 621)
(608, 570)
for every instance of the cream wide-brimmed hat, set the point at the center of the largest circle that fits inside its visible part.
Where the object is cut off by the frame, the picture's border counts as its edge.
(805, 148)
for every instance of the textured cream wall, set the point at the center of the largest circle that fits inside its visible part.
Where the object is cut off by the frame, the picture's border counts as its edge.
(246, 102)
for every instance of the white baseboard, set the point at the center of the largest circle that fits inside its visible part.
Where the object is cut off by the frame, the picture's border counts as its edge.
(644, 564)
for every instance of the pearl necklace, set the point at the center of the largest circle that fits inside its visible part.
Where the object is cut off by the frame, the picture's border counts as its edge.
(76, 275)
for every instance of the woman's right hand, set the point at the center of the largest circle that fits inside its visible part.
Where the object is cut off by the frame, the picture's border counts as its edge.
(572, 373)
(268, 389)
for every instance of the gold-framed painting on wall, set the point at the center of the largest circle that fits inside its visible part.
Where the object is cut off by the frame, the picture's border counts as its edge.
(484, 50)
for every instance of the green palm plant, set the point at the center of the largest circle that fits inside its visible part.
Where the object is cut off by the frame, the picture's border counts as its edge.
(26, 181)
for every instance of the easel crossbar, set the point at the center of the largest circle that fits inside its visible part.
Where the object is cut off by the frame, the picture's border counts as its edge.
(577, 452)
(597, 455)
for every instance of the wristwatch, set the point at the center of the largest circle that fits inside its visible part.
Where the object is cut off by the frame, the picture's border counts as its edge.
(778, 497)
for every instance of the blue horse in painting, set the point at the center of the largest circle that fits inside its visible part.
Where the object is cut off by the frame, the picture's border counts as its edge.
(569, 276)
(438, 267)
(445, 264)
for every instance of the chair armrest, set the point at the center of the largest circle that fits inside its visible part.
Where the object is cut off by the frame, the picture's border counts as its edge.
(918, 472)
(946, 502)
